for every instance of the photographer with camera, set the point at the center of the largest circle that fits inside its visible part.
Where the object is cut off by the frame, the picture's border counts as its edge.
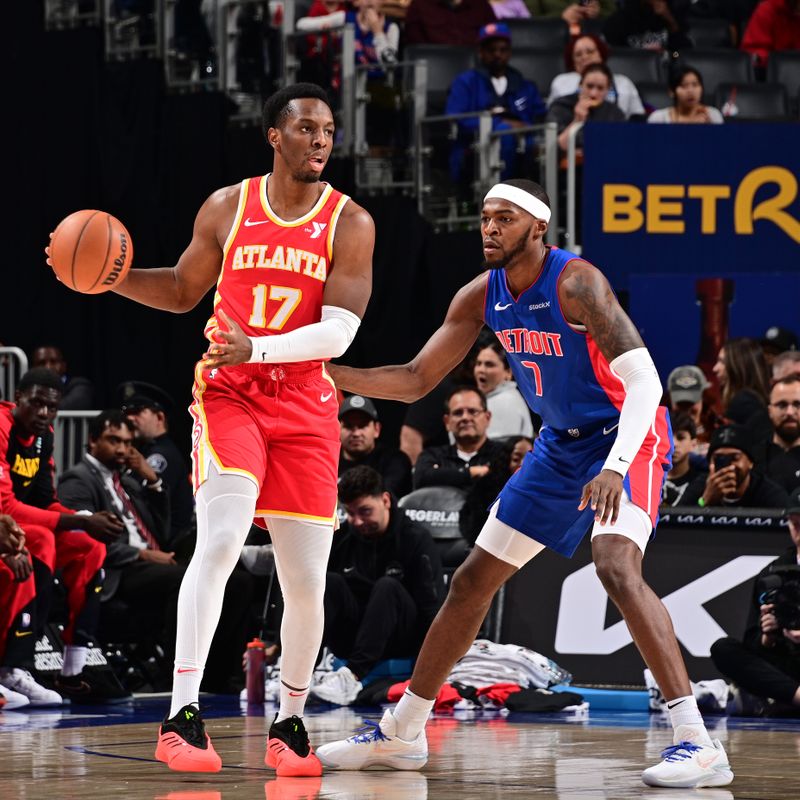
(731, 480)
(766, 666)
(383, 588)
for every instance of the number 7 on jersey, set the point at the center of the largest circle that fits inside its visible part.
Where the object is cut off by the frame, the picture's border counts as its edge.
(537, 375)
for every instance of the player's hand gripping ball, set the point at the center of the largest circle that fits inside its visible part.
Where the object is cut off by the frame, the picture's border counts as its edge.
(90, 251)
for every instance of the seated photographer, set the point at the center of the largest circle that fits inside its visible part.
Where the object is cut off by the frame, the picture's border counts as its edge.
(766, 666)
(384, 585)
(731, 480)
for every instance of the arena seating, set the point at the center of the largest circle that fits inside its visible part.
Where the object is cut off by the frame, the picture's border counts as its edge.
(437, 509)
(638, 65)
(654, 95)
(542, 32)
(784, 67)
(538, 65)
(755, 101)
(444, 63)
(720, 66)
(707, 33)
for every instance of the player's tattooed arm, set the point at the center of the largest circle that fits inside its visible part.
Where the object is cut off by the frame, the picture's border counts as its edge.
(447, 347)
(587, 299)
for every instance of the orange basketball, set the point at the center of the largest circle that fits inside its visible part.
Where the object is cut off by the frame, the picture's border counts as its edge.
(91, 251)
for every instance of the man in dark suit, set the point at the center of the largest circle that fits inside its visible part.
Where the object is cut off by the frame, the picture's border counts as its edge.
(113, 476)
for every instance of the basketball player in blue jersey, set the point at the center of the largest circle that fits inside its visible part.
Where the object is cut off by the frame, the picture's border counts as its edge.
(600, 459)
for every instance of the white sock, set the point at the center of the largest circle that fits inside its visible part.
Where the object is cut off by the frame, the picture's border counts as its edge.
(687, 722)
(225, 507)
(301, 549)
(74, 659)
(293, 702)
(186, 680)
(411, 713)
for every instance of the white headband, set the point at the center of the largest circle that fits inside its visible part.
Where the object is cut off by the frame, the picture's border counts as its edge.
(520, 197)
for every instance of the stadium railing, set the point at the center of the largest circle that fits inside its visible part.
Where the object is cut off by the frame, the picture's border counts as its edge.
(571, 233)
(13, 365)
(71, 436)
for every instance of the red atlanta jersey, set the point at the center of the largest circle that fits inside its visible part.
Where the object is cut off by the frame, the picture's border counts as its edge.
(274, 271)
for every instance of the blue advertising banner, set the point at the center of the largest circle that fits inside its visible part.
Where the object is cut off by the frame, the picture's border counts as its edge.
(668, 310)
(699, 199)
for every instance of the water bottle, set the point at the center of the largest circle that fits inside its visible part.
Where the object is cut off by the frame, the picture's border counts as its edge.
(256, 654)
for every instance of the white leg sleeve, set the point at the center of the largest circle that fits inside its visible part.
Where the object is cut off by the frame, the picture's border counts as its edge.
(301, 559)
(225, 508)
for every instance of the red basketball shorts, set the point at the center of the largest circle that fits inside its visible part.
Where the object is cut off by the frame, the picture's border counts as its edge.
(276, 424)
(14, 596)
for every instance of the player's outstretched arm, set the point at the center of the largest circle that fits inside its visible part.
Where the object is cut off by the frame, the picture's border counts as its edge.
(446, 348)
(587, 299)
(182, 287)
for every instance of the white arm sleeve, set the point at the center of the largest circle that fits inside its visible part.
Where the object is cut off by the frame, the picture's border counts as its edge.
(328, 338)
(642, 396)
(323, 23)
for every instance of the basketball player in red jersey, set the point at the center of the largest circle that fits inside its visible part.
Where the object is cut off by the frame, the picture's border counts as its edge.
(292, 262)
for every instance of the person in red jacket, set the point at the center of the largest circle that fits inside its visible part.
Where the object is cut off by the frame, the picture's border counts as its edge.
(56, 536)
(17, 600)
(775, 25)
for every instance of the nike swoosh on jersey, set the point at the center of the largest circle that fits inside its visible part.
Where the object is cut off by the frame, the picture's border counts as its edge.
(606, 431)
(498, 307)
(248, 223)
(20, 634)
(325, 397)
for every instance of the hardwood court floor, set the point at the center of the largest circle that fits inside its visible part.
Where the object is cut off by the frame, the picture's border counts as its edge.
(87, 754)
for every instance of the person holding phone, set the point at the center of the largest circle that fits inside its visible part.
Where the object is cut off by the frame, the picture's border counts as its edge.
(731, 480)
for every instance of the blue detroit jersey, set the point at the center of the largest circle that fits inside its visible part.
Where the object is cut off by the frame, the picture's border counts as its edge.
(559, 370)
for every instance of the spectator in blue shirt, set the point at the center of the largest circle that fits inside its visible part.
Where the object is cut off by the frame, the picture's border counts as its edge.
(498, 87)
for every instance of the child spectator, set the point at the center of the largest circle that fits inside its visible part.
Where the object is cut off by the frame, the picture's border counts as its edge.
(683, 472)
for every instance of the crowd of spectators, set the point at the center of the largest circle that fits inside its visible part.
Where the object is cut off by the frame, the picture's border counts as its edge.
(737, 439)
(592, 32)
(117, 527)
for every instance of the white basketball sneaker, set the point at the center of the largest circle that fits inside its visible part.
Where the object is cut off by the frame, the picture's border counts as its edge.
(691, 766)
(340, 687)
(20, 680)
(376, 746)
(13, 699)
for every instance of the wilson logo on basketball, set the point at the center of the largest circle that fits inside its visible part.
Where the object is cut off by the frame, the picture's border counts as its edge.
(119, 261)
